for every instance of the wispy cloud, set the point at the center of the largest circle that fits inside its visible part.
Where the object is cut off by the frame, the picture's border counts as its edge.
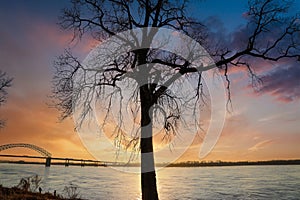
(260, 145)
(282, 117)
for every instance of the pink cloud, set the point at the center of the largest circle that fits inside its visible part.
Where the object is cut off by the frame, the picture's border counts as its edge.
(56, 38)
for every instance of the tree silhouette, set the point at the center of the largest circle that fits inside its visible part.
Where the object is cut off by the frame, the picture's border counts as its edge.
(5, 82)
(161, 69)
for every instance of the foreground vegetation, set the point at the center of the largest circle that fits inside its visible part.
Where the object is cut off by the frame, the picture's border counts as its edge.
(15, 193)
(28, 187)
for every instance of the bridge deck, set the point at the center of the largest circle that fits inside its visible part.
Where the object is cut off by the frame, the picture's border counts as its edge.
(64, 159)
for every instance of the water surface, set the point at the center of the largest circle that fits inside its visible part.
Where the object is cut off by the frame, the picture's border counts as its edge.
(235, 182)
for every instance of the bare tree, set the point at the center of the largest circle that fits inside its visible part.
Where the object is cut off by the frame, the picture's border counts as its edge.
(161, 69)
(5, 82)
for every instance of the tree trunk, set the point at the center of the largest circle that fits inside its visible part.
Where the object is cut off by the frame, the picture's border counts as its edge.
(148, 174)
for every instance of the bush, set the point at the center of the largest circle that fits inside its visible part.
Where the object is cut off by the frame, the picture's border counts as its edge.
(30, 184)
(71, 192)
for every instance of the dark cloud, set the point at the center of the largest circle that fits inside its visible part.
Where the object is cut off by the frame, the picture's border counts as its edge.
(281, 78)
(283, 83)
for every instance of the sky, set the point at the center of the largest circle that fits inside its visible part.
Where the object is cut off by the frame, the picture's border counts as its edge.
(262, 125)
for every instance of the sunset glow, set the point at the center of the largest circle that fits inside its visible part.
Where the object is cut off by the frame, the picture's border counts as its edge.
(262, 125)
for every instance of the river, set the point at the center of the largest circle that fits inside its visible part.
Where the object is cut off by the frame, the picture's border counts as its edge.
(236, 182)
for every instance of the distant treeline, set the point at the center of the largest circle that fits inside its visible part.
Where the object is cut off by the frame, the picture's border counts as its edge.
(239, 163)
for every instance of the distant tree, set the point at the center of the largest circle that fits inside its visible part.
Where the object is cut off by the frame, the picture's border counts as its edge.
(269, 35)
(5, 82)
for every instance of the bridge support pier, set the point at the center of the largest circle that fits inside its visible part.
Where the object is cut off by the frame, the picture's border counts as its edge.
(48, 162)
(67, 163)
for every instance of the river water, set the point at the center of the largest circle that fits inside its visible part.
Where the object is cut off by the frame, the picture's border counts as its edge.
(237, 182)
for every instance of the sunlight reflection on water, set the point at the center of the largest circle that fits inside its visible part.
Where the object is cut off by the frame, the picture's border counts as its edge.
(248, 182)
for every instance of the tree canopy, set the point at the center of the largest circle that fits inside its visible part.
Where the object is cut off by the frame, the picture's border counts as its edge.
(271, 34)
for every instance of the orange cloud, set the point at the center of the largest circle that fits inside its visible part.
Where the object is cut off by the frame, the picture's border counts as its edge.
(31, 121)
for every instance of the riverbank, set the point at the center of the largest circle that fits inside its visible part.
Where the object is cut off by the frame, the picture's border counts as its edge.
(177, 164)
(15, 193)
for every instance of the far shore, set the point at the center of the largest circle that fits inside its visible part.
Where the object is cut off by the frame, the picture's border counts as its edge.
(176, 164)
(237, 163)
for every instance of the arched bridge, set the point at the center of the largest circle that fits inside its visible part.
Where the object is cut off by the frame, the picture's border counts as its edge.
(47, 155)
(40, 150)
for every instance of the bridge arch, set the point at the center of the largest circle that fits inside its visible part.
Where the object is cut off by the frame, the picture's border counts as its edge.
(40, 150)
